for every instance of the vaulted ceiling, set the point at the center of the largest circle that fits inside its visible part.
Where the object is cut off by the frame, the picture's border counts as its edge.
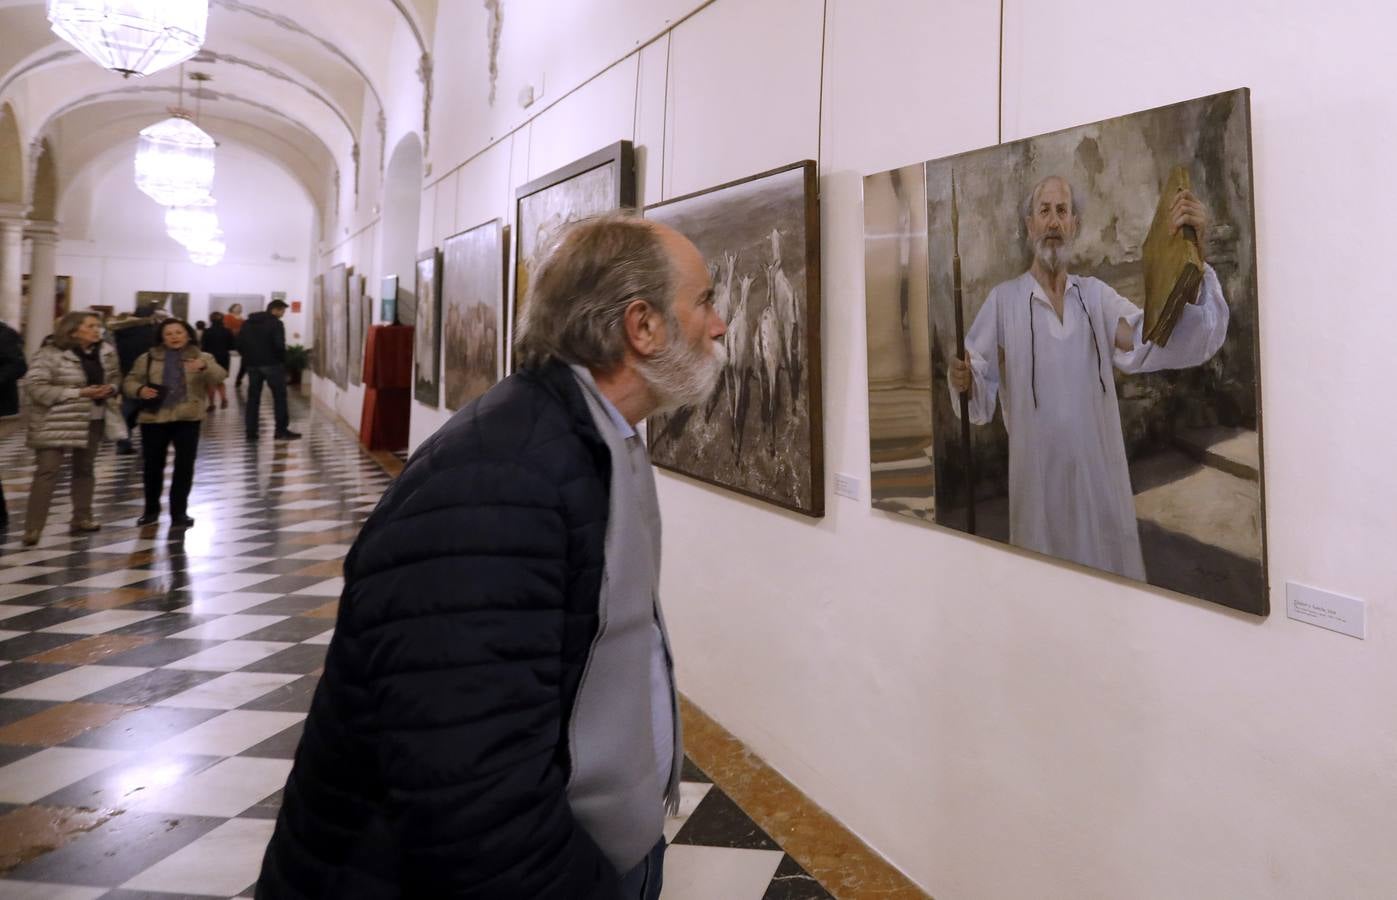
(301, 82)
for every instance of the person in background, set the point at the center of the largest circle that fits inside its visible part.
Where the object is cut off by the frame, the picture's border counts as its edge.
(217, 341)
(132, 334)
(171, 381)
(12, 369)
(72, 390)
(233, 321)
(262, 346)
(199, 328)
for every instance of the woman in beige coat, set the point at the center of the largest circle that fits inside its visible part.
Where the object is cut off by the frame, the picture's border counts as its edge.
(171, 381)
(72, 391)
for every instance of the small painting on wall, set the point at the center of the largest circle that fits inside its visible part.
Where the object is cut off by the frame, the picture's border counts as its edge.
(175, 303)
(472, 299)
(337, 326)
(427, 337)
(388, 314)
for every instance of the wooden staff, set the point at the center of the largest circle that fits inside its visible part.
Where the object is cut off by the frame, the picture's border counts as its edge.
(960, 354)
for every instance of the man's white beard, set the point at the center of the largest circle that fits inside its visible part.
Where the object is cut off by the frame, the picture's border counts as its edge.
(1054, 256)
(682, 374)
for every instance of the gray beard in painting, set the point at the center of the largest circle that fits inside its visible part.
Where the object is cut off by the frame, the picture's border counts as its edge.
(1053, 251)
(681, 374)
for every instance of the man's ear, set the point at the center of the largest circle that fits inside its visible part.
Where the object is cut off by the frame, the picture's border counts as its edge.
(644, 328)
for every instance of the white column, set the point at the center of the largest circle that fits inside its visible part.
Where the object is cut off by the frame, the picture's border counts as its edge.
(11, 259)
(43, 284)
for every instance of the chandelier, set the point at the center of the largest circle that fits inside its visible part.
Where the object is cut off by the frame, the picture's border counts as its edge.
(132, 37)
(209, 251)
(194, 223)
(174, 161)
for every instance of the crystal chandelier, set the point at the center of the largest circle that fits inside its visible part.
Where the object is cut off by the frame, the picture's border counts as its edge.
(192, 224)
(174, 161)
(133, 37)
(208, 252)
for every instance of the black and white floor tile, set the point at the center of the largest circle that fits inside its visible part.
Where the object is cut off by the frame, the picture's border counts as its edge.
(153, 687)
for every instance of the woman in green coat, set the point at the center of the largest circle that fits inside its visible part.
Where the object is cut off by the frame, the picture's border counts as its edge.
(72, 391)
(171, 381)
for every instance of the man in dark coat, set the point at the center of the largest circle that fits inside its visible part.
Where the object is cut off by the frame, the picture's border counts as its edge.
(133, 335)
(217, 341)
(497, 717)
(262, 346)
(12, 369)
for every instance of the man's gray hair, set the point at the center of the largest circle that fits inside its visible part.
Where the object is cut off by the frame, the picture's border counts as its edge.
(577, 298)
(1078, 203)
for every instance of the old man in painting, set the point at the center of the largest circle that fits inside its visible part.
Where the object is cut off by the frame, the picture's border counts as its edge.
(1043, 346)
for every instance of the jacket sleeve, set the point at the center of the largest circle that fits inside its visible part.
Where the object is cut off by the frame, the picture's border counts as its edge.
(12, 364)
(137, 377)
(38, 384)
(214, 374)
(279, 342)
(459, 628)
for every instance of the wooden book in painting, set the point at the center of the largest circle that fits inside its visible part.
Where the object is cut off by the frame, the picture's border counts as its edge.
(1173, 264)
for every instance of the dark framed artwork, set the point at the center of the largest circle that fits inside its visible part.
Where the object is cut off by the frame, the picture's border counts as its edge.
(427, 337)
(472, 307)
(761, 433)
(62, 298)
(356, 329)
(1106, 409)
(337, 325)
(317, 313)
(176, 303)
(596, 183)
(366, 315)
(388, 314)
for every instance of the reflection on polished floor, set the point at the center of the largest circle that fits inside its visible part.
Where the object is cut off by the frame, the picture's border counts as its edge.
(152, 688)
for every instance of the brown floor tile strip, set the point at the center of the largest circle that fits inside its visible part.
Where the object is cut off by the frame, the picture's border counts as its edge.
(92, 650)
(107, 599)
(31, 831)
(330, 610)
(331, 568)
(58, 724)
(845, 866)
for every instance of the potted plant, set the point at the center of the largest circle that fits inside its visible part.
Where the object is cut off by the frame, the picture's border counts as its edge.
(297, 358)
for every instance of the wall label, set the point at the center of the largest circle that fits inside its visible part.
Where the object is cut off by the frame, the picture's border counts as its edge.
(1346, 615)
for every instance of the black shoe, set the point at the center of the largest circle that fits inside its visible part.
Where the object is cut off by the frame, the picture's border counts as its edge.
(287, 435)
(252, 436)
(149, 518)
(124, 448)
(181, 522)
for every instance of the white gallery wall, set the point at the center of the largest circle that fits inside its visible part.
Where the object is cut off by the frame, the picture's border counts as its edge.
(114, 241)
(996, 724)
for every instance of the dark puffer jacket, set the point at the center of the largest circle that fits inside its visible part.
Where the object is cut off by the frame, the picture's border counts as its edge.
(434, 762)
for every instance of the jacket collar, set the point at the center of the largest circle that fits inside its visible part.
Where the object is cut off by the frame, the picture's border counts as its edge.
(557, 379)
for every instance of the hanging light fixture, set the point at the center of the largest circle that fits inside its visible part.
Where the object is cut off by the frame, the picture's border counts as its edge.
(208, 252)
(193, 223)
(132, 37)
(174, 158)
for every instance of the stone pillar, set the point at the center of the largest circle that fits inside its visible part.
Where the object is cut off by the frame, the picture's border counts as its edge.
(11, 259)
(43, 284)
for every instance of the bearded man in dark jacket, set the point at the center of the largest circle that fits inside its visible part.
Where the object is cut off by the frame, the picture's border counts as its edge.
(12, 369)
(497, 717)
(133, 335)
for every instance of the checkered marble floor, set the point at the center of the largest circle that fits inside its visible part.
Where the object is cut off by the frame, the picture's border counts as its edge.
(152, 688)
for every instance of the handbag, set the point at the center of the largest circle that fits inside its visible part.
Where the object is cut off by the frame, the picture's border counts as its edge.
(114, 425)
(152, 404)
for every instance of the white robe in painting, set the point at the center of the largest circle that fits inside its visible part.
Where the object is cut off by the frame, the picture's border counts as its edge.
(1069, 486)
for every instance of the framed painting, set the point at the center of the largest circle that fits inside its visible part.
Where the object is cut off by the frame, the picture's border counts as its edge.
(388, 313)
(317, 313)
(427, 337)
(62, 298)
(366, 315)
(356, 329)
(337, 325)
(597, 183)
(472, 305)
(761, 432)
(176, 303)
(1094, 348)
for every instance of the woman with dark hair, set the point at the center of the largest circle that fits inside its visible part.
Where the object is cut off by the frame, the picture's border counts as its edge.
(72, 393)
(171, 381)
(217, 341)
